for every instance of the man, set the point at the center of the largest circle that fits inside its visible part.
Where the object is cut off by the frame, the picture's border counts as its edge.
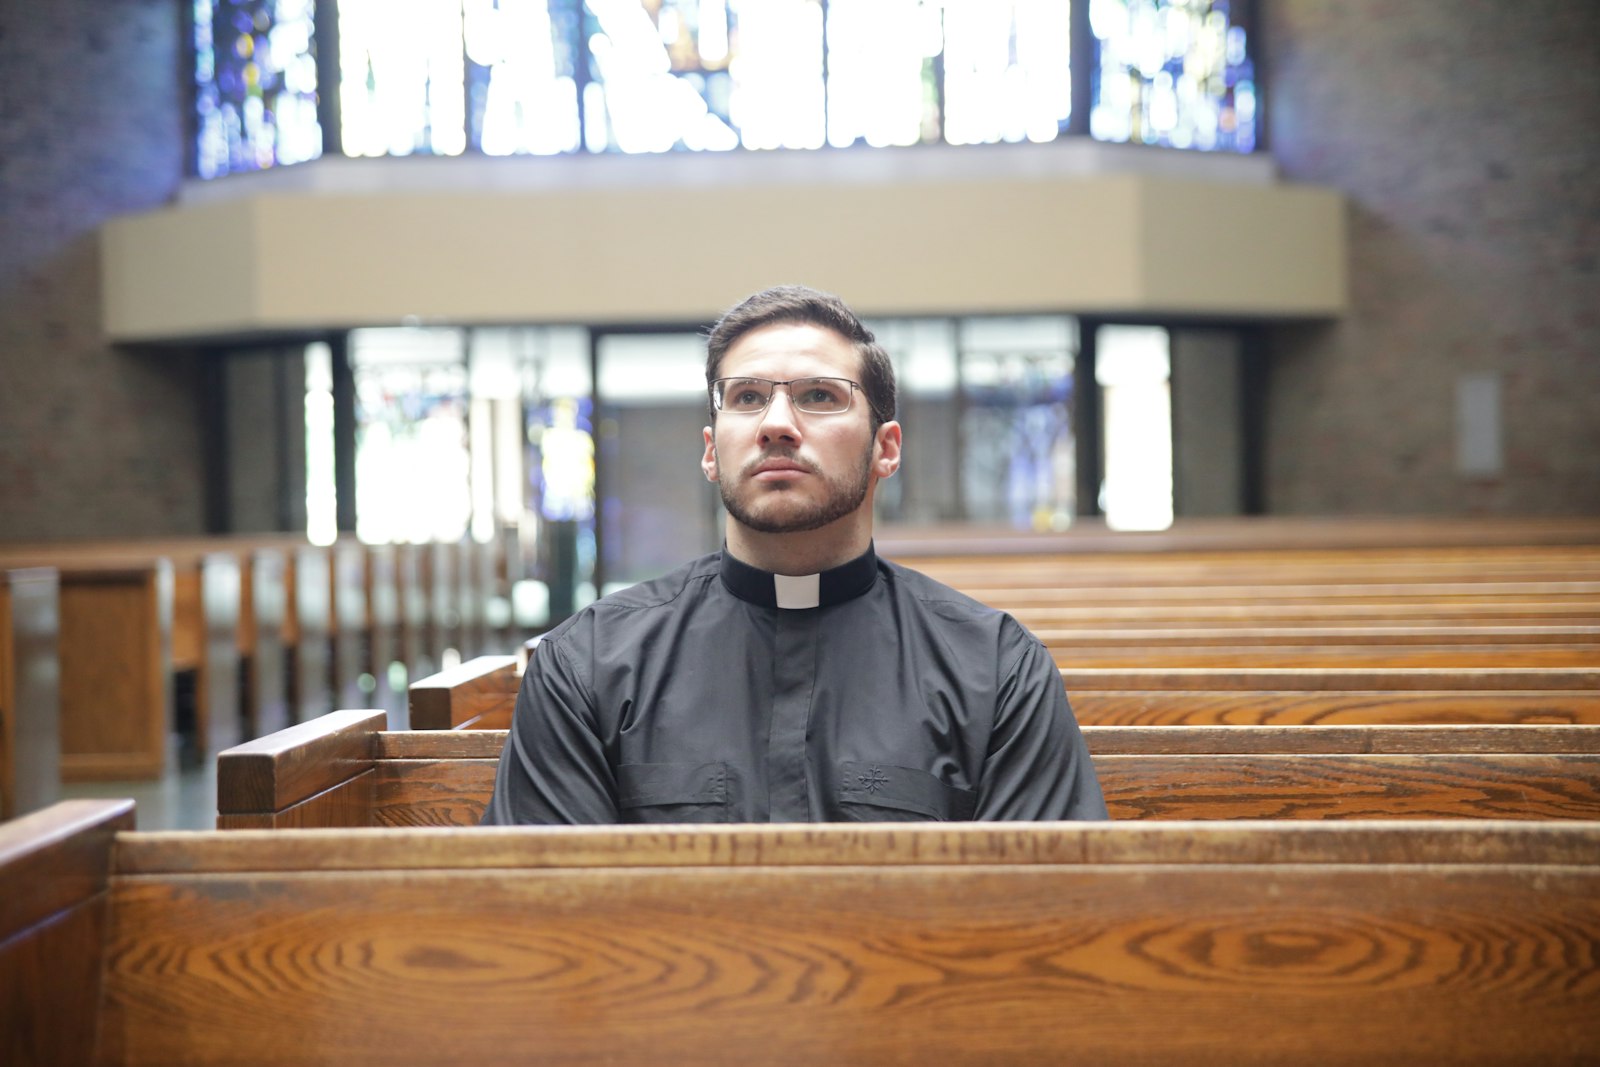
(793, 676)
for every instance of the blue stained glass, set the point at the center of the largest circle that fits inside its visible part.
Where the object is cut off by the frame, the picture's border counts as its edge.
(548, 77)
(1172, 72)
(255, 76)
(521, 69)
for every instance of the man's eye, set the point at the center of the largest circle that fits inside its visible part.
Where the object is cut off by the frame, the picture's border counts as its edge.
(747, 397)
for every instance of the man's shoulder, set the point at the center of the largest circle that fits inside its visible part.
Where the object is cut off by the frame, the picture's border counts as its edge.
(940, 598)
(659, 592)
(638, 602)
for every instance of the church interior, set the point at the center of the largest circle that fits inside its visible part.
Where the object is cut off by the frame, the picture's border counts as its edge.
(1248, 354)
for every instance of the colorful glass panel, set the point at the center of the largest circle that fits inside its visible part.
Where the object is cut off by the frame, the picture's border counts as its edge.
(255, 73)
(521, 68)
(402, 77)
(1007, 70)
(703, 75)
(1173, 72)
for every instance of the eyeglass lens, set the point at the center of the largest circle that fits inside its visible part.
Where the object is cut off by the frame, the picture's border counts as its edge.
(817, 396)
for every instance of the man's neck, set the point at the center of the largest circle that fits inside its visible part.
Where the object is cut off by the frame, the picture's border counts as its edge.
(810, 552)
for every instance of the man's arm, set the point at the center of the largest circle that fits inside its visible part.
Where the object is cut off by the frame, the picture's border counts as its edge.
(1038, 766)
(553, 768)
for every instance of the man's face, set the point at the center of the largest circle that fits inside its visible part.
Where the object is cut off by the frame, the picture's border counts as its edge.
(786, 471)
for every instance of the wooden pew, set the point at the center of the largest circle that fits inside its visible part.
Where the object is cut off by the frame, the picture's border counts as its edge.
(30, 698)
(477, 695)
(115, 657)
(1242, 534)
(383, 628)
(1251, 943)
(345, 770)
(349, 628)
(481, 694)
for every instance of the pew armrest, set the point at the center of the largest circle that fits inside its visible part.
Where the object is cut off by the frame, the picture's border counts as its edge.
(310, 775)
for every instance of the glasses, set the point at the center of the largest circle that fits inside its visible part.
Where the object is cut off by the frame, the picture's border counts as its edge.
(814, 396)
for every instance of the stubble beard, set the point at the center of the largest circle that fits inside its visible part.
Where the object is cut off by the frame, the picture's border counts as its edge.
(844, 494)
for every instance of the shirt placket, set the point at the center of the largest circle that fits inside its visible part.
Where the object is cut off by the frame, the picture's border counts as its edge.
(794, 680)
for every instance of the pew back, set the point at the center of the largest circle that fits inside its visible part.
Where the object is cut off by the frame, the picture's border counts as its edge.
(345, 770)
(1249, 943)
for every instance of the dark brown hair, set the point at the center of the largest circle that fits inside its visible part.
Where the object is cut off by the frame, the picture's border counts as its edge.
(800, 305)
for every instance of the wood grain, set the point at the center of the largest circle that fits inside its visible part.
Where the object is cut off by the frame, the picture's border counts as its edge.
(1367, 786)
(349, 803)
(273, 772)
(50, 988)
(1440, 843)
(115, 654)
(432, 792)
(1335, 656)
(485, 685)
(1331, 679)
(1312, 740)
(1277, 534)
(55, 859)
(860, 964)
(1279, 707)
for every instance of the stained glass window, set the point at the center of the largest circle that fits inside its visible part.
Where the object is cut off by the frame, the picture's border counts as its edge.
(255, 74)
(883, 86)
(411, 435)
(703, 74)
(1172, 72)
(402, 77)
(1007, 75)
(522, 89)
(551, 77)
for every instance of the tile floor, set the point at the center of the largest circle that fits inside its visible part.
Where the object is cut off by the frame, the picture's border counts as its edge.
(183, 799)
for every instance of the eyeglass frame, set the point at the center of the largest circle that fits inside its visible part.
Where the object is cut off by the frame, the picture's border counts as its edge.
(716, 393)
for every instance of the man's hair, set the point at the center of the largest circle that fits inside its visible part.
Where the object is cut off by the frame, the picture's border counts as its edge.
(797, 304)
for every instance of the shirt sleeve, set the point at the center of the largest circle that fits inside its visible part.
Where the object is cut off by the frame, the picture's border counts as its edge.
(553, 769)
(1037, 766)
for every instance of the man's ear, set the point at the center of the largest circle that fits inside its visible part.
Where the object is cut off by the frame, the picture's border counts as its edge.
(708, 462)
(886, 450)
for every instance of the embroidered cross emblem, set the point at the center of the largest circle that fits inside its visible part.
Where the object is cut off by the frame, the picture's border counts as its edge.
(873, 780)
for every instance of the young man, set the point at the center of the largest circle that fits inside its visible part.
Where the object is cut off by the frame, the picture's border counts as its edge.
(793, 676)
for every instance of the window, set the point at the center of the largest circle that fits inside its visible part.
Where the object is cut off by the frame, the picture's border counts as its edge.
(551, 77)
(255, 79)
(1173, 72)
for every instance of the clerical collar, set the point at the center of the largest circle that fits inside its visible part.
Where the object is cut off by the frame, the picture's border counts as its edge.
(844, 582)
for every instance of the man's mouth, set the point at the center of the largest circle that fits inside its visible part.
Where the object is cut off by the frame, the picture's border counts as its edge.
(774, 469)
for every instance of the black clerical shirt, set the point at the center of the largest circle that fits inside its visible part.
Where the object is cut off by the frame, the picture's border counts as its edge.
(723, 693)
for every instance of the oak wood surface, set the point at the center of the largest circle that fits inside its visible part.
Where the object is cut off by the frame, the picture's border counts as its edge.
(442, 778)
(272, 772)
(1337, 656)
(1276, 533)
(1277, 707)
(856, 944)
(1331, 679)
(54, 859)
(459, 698)
(115, 656)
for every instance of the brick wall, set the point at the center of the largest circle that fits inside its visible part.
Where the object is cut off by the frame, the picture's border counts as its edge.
(1465, 136)
(93, 441)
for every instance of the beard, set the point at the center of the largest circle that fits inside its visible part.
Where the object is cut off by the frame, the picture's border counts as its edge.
(765, 509)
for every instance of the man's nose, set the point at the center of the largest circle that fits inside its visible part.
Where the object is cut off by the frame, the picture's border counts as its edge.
(780, 423)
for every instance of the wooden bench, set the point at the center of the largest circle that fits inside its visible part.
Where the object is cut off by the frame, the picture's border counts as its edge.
(345, 770)
(30, 698)
(1244, 534)
(1249, 943)
(115, 658)
(481, 694)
